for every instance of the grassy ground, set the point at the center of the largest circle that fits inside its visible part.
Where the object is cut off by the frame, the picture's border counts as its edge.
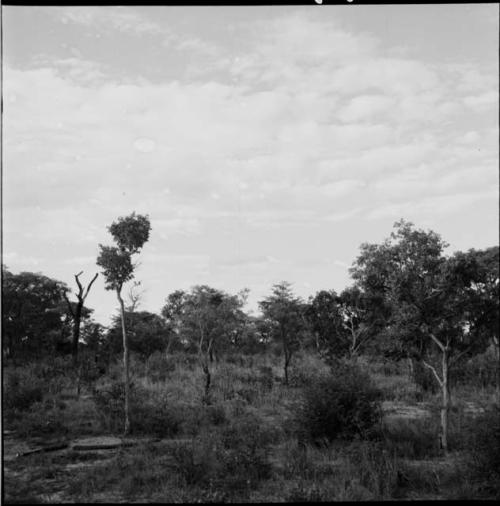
(243, 446)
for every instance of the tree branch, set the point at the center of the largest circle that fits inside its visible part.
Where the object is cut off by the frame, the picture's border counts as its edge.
(90, 285)
(455, 359)
(434, 371)
(69, 305)
(437, 341)
(80, 287)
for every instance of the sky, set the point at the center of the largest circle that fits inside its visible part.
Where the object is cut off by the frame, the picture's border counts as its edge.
(264, 143)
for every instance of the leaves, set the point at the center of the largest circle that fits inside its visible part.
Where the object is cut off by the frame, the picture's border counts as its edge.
(130, 234)
(117, 266)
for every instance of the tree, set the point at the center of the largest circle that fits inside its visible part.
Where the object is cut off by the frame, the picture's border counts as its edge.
(33, 313)
(361, 318)
(429, 297)
(207, 318)
(75, 311)
(172, 313)
(485, 288)
(285, 316)
(130, 233)
(146, 333)
(325, 318)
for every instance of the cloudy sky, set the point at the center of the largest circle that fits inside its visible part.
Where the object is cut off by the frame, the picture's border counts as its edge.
(265, 143)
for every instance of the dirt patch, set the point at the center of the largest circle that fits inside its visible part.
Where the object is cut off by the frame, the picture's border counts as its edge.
(399, 410)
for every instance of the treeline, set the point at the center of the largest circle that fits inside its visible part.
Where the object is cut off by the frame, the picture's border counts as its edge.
(408, 301)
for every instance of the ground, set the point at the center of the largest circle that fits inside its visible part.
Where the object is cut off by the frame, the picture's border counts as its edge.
(74, 451)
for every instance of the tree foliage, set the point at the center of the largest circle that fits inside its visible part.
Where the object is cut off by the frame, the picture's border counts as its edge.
(33, 313)
(284, 315)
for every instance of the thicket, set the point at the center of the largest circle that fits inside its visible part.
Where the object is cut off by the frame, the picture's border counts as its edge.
(344, 404)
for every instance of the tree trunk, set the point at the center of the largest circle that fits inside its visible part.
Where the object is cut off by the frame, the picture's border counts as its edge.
(76, 333)
(496, 343)
(287, 363)
(446, 400)
(206, 370)
(126, 375)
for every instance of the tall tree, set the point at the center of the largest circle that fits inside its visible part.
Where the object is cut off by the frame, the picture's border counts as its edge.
(285, 315)
(130, 233)
(76, 312)
(429, 297)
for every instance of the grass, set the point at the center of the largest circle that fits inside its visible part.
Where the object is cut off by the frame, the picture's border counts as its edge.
(244, 445)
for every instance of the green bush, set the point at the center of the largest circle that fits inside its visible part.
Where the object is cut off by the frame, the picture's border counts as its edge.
(344, 404)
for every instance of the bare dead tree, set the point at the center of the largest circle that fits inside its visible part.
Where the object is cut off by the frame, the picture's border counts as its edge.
(76, 313)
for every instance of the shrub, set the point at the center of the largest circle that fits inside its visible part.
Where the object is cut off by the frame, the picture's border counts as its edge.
(149, 413)
(110, 406)
(411, 438)
(230, 461)
(158, 367)
(424, 378)
(479, 371)
(483, 442)
(266, 377)
(375, 468)
(341, 405)
(41, 419)
(21, 391)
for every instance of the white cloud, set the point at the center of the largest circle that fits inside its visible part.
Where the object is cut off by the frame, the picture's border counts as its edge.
(282, 123)
(119, 18)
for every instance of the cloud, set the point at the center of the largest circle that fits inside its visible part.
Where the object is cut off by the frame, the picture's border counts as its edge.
(436, 205)
(268, 126)
(484, 101)
(118, 18)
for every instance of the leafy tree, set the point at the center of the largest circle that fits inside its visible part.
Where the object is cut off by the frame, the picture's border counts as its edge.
(33, 312)
(362, 318)
(325, 318)
(285, 318)
(485, 292)
(430, 300)
(130, 233)
(146, 333)
(172, 313)
(75, 310)
(207, 318)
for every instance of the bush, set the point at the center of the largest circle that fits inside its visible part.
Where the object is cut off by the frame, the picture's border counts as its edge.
(149, 413)
(375, 468)
(41, 419)
(411, 438)
(483, 442)
(158, 367)
(21, 391)
(341, 405)
(479, 371)
(231, 460)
